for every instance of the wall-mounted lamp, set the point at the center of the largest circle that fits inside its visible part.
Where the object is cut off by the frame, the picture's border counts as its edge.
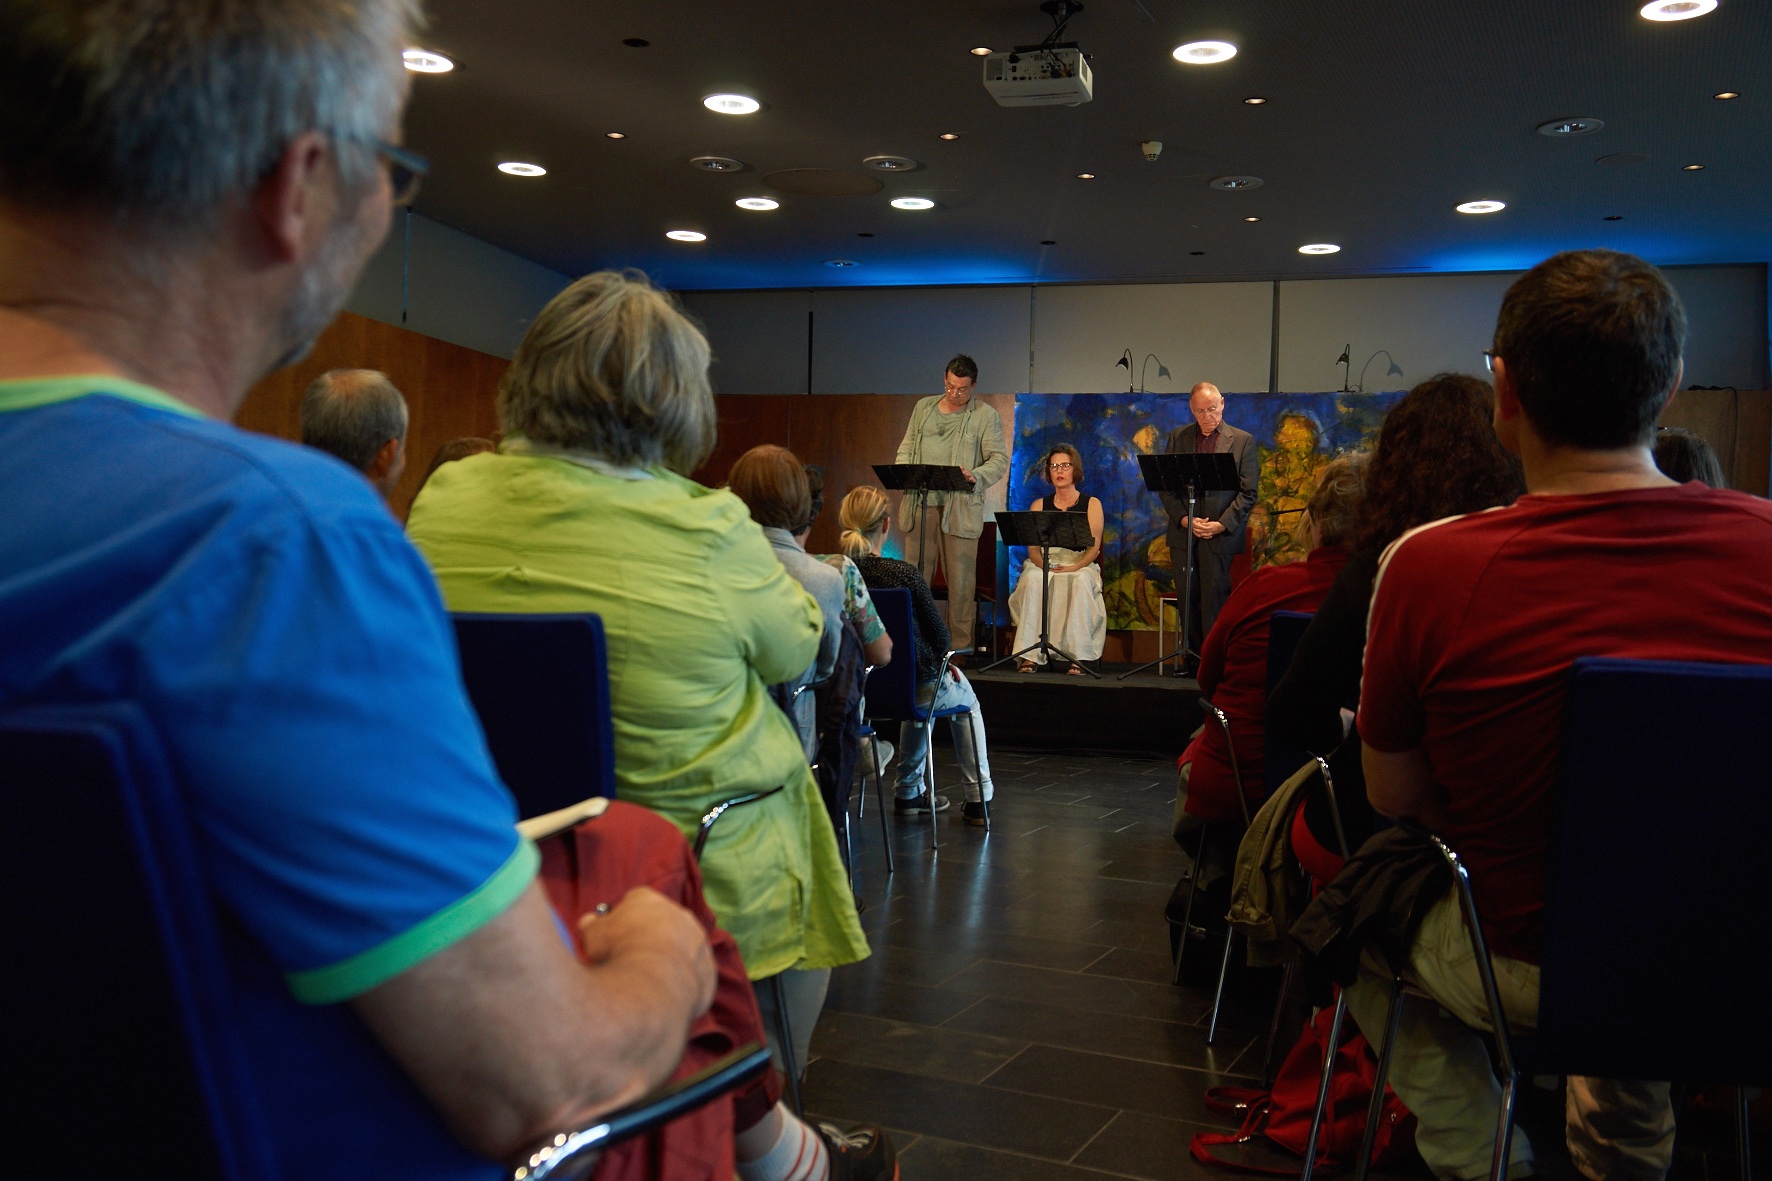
(1125, 362)
(1162, 370)
(1391, 370)
(1343, 360)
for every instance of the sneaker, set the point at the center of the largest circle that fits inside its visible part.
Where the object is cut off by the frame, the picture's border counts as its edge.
(919, 804)
(859, 1152)
(973, 811)
(887, 752)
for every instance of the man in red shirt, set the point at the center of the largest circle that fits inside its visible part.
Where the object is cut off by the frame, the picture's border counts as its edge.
(1474, 623)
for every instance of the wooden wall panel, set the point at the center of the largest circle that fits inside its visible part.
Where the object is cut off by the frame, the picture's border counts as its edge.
(1738, 424)
(449, 389)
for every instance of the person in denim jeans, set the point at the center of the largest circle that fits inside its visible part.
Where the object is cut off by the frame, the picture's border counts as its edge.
(864, 517)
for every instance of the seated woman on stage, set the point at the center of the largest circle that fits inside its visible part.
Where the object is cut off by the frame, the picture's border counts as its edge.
(865, 516)
(584, 507)
(1077, 625)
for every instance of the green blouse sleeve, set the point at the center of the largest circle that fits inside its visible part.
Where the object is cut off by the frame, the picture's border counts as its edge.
(777, 624)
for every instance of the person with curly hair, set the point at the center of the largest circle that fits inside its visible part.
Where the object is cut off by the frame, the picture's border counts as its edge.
(1437, 456)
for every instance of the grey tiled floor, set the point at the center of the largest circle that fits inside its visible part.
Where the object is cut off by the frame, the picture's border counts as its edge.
(1015, 1019)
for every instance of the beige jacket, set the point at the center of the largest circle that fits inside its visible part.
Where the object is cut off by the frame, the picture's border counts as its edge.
(981, 435)
(1267, 892)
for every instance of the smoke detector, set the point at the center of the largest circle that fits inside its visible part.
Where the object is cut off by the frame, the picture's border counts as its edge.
(1152, 148)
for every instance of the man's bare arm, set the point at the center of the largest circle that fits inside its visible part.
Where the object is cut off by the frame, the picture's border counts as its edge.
(512, 1038)
(1401, 786)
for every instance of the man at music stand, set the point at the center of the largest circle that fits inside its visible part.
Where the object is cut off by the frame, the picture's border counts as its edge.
(1219, 527)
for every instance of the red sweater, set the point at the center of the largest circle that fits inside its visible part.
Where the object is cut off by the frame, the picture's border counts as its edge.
(1233, 673)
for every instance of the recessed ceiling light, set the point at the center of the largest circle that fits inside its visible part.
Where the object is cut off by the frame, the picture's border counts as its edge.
(1319, 248)
(635, 42)
(518, 168)
(716, 163)
(1481, 207)
(1204, 53)
(757, 203)
(891, 164)
(1613, 217)
(839, 262)
(912, 203)
(1196, 253)
(981, 51)
(1692, 168)
(425, 61)
(1085, 176)
(1048, 241)
(1235, 183)
(615, 134)
(732, 104)
(864, 234)
(1581, 125)
(1251, 219)
(1727, 94)
(1255, 100)
(953, 135)
(1676, 10)
(686, 235)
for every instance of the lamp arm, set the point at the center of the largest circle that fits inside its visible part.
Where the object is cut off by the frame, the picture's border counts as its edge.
(1361, 387)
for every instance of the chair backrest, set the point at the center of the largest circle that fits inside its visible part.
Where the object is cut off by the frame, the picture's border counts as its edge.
(892, 688)
(1658, 938)
(1279, 761)
(540, 684)
(120, 1041)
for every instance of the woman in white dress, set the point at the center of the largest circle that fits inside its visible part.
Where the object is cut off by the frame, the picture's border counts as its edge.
(1078, 624)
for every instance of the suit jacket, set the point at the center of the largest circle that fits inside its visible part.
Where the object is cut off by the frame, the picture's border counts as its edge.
(981, 438)
(1231, 509)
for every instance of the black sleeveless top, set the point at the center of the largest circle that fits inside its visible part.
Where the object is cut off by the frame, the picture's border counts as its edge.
(1082, 505)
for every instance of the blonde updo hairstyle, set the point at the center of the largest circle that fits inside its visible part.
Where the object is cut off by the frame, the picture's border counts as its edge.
(612, 366)
(863, 513)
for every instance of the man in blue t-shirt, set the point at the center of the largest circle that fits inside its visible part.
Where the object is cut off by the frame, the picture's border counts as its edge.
(192, 194)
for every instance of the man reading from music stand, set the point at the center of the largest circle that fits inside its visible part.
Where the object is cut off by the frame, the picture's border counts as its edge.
(954, 428)
(1219, 528)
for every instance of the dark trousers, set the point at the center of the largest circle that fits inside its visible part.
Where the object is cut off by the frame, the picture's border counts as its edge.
(1212, 580)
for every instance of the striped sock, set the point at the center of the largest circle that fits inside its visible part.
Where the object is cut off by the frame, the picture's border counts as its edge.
(799, 1155)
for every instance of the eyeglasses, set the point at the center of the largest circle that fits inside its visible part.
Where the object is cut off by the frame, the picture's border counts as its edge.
(405, 169)
(1059, 467)
(1489, 360)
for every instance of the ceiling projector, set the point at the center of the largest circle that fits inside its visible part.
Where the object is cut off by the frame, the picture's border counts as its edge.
(1039, 76)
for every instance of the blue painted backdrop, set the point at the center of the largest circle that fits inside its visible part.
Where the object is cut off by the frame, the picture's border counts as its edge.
(1295, 435)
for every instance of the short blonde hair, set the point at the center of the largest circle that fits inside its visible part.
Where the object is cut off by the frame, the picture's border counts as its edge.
(1334, 506)
(614, 367)
(864, 510)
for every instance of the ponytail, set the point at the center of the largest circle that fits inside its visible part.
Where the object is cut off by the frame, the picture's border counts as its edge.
(854, 545)
(863, 513)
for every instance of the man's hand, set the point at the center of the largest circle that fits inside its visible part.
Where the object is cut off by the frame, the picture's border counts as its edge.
(1206, 528)
(645, 925)
(967, 476)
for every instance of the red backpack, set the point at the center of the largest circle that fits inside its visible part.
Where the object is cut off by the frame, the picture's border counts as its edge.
(1277, 1123)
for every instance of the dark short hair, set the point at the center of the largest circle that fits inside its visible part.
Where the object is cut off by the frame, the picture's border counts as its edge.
(457, 449)
(963, 366)
(772, 483)
(1684, 456)
(1076, 462)
(1592, 341)
(815, 490)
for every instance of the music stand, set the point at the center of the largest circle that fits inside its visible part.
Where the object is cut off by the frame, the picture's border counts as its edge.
(919, 478)
(1176, 472)
(1066, 531)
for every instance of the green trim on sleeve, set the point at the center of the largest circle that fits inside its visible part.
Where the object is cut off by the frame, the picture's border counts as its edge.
(363, 971)
(46, 391)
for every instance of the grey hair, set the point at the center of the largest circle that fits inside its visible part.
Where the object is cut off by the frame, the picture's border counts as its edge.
(613, 366)
(162, 113)
(352, 413)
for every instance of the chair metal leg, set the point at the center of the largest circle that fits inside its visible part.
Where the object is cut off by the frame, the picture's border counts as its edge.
(1310, 1144)
(1392, 1022)
(929, 786)
(1273, 1028)
(1744, 1150)
(784, 1032)
(1224, 970)
(1504, 1127)
(1187, 913)
(880, 795)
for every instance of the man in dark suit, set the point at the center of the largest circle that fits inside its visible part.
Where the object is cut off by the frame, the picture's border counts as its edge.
(1218, 528)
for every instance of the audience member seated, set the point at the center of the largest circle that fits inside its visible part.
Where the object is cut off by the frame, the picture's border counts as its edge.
(358, 415)
(456, 449)
(190, 201)
(1233, 671)
(772, 483)
(1474, 623)
(1683, 456)
(865, 517)
(1437, 456)
(584, 508)
(1077, 622)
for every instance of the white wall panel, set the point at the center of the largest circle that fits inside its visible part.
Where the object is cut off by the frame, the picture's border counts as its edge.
(1430, 323)
(1217, 332)
(1725, 324)
(758, 338)
(896, 340)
